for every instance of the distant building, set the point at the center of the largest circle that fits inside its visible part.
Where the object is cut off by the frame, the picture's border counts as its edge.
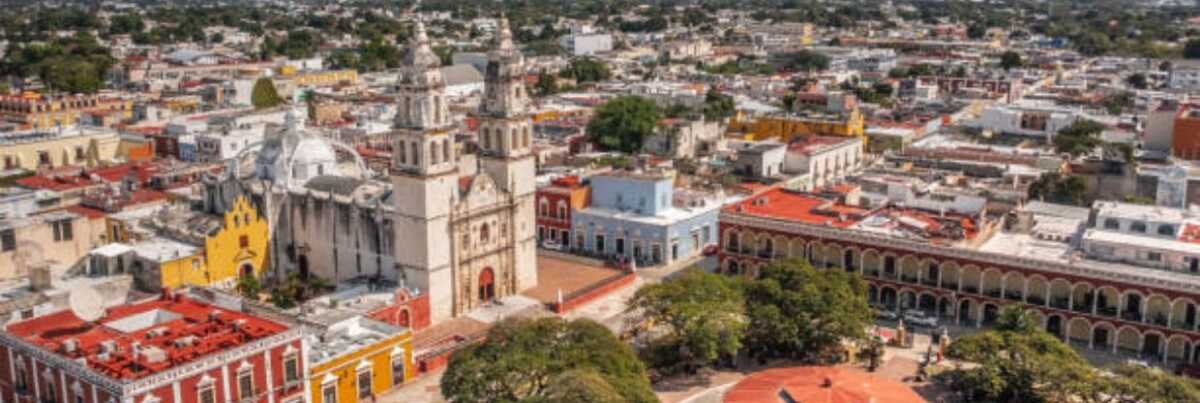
(761, 160)
(1185, 135)
(586, 44)
(47, 149)
(786, 126)
(1185, 75)
(39, 112)
(822, 160)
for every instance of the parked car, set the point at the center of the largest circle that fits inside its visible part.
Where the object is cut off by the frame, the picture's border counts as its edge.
(920, 319)
(883, 312)
(552, 245)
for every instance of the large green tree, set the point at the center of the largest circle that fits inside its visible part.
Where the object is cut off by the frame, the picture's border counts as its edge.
(623, 123)
(263, 95)
(1079, 138)
(587, 69)
(801, 312)
(521, 360)
(702, 316)
(1010, 59)
(1057, 188)
(718, 106)
(1017, 361)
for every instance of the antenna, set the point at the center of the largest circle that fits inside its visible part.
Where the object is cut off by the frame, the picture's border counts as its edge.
(86, 304)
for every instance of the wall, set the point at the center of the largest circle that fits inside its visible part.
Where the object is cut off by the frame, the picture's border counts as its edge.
(646, 196)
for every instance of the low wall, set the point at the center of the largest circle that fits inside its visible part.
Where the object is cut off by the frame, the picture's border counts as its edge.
(589, 294)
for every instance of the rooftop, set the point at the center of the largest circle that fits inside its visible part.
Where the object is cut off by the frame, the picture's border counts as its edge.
(136, 340)
(819, 385)
(350, 335)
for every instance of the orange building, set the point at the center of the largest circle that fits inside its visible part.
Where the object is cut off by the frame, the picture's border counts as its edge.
(35, 111)
(1185, 138)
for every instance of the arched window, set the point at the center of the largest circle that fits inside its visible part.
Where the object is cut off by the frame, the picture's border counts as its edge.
(416, 153)
(402, 154)
(1137, 226)
(515, 141)
(483, 233)
(433, 153)
(487, 139)
(525, 140)
(446, 151)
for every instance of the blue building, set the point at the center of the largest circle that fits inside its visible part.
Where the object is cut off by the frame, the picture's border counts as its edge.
(639, 215)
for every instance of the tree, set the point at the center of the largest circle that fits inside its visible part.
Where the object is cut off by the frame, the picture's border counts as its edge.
(623, 123)
(1055, 188)
(703, 315)
(1018, 364)
(1010, 59)
(1135, 383)
(1137, 80)
(1191, 50)
(547, 84)
(522, 358)
(582, 386)
(587, 69)
(249, 287)
(806, 60)
(263, 95)
(718, 106)
(801, 312)
(1078, 138)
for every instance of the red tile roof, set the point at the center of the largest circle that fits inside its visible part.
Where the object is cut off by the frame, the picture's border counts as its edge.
(189, 330)
(819, 385)
(787, 205)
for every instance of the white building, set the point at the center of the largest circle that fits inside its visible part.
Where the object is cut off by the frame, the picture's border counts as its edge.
(1041, 121)
(1149, 236)
(878, 190)
(226, 144)
(586, 44)
(823, 159)
(1185, 75)
(759, 159)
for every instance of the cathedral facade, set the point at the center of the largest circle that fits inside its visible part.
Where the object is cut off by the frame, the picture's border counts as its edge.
(466, 239)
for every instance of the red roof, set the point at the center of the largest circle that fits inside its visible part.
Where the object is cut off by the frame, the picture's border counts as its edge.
(180, 328)
(819, 385)
(788, 205)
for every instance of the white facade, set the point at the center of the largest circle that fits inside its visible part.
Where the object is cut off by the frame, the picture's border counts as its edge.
(467, 239)
(1184, 76)
(586, 45)
(1149, 236)
(1028, 122)
(824, 159)
(214, 147)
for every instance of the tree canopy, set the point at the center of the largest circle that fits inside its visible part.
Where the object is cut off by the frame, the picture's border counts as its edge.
(703, 315)
(1010, 59)
(546, 360)
(717, 105)
(1017, 361)
(1079, 138)
(587, 69)
(623, 123)
(801, 312)
(76, 64)
(1056, 188)
(263, 95)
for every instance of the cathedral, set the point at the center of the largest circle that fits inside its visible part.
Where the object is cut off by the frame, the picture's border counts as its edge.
(465, 240)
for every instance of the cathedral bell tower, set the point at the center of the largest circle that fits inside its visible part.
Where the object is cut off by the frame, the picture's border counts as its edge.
(424, 176)
(506, 138)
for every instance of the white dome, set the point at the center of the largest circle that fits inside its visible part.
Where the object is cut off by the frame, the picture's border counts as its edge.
(313, 156)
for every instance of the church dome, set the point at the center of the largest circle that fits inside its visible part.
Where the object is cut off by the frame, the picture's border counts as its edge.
(313, 156)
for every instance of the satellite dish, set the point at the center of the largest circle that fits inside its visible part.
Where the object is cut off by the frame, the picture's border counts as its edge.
(86, 304)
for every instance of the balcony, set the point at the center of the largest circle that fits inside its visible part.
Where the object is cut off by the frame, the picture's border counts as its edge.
(1061, 303)
(993, 293)
(1107, 311)
(1160, 320)
(1013, 296)
(1035, 300)
(950, 286)
(1082, 307)
(1132, 316)
(1183, 325)
(929, 282)
(970, 289)
(765, 253)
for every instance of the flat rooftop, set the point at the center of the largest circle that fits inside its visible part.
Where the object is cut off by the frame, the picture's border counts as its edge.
(349, 335)
(168, 332)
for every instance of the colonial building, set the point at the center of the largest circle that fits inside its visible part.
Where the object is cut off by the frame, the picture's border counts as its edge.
(556, 204)
(467, 239)
(173, 348)
(1131, 287)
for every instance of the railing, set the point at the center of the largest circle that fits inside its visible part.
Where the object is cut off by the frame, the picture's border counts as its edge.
(1001, 260)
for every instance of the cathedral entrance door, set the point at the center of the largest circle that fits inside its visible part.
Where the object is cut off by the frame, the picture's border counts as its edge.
(487, 285)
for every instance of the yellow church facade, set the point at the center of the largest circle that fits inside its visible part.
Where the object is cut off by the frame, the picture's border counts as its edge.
(784, 127)
(238, 248)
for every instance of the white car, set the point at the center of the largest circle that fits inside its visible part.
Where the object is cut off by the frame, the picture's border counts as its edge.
(920, 318)
(552, 246)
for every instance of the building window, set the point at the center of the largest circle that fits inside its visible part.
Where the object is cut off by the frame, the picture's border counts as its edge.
(44, 158)
(79, 154)
(207, 395)
(1112, 224)
(1153, 256)
(291, 368)
(329, 393)
(63, 231)
(1137, 226)
(364, 384)
(245, 385)
(483, 233)
(1166, 229)
(398, 369)
(8, 240)
(599, 246)
(244, 241)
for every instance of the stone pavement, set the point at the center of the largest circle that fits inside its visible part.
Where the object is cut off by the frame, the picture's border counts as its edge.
(423, 390)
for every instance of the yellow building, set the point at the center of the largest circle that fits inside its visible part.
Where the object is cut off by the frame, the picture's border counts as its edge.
(237, 246)
(76, 146)
(44, 112)
(357, 359)
(785, 127)
(320, 78)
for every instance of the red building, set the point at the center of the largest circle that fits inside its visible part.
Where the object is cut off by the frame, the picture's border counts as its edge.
(555, 204)
(174, 348)
(963, 270)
